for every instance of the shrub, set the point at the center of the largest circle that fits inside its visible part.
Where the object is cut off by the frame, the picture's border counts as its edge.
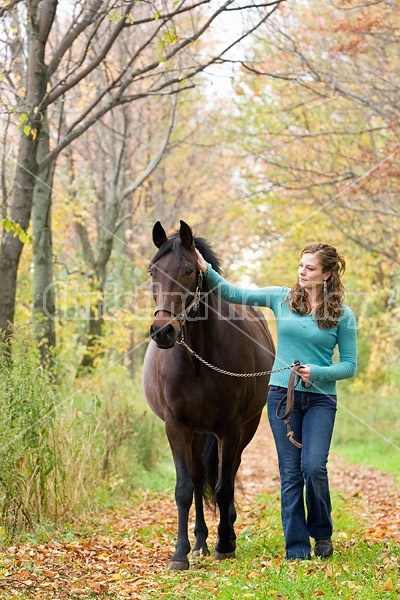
(27, 458)
(68, 445)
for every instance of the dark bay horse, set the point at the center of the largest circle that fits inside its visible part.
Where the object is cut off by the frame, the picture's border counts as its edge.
(209, 416)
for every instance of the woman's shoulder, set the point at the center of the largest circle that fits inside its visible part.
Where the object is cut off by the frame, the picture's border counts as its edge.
(347, 316)
(347, 311)
(279, 290)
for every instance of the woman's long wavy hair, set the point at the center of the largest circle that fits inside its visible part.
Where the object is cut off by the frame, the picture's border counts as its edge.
(327, 313)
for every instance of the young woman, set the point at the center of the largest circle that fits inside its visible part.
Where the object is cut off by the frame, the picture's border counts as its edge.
(312, 321)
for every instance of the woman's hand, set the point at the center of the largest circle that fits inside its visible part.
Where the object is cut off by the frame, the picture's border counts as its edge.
(304, 371)
(201, 262)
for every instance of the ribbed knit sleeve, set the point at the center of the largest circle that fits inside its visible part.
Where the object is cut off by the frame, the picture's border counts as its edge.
(347, 346)
(264, 296)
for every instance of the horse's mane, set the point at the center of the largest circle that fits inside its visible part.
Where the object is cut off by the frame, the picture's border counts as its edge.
(208, 254)
(174, 245)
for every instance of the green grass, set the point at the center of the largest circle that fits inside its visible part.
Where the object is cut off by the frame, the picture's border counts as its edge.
(358, 569)
(376, 454)
(367, 429)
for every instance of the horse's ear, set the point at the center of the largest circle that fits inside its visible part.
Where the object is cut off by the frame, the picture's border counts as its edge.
(159, 235)
(186, 235)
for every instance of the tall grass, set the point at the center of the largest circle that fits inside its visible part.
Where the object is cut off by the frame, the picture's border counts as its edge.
(27, 402)
(71, 446)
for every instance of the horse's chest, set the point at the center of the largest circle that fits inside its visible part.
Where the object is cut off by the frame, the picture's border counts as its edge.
(200, 417)
(201, 407)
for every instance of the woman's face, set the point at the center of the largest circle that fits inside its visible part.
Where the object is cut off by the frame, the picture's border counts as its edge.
(310, 271)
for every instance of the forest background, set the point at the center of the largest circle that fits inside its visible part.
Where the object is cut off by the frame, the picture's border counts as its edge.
(265, 126)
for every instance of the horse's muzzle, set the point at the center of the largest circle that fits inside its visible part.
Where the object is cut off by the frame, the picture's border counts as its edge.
(164, 336)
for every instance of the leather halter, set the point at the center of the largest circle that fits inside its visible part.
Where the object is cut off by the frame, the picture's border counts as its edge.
(192, 306)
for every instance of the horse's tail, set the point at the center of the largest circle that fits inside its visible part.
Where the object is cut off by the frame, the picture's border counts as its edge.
(209, 453)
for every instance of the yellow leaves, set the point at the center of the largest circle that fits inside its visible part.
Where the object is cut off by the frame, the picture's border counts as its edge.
(25, 123)
(329, 571)
(169, 38)
(18, 231)
(116, 577)
(388, 586)
(275, 595)
(353, 586)
(103, 556)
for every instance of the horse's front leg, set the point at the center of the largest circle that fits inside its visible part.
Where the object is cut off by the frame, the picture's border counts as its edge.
(225, 498)
(203, 449)
(180, 442)
(231, 450)
(200, 527)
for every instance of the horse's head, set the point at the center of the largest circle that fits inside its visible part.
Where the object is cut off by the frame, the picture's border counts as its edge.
(175, 283)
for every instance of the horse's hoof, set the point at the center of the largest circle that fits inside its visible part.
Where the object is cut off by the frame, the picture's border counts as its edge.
(200, 552)
(224, 556)
(178, 565)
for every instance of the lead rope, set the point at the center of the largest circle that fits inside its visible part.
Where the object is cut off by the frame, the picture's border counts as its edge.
(289, 400)
(258, 374)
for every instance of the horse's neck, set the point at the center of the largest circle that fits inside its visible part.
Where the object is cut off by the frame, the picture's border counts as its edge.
(208, 324)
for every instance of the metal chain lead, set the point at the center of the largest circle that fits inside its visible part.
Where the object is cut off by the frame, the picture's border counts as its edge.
(259, 374)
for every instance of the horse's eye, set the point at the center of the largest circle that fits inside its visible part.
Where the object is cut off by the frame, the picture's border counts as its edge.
(188, 270)
(151, 271)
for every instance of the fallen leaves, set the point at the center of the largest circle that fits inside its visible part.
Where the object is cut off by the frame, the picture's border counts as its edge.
(97, 565)
(139, 540)
(388, 585)
(375, 495)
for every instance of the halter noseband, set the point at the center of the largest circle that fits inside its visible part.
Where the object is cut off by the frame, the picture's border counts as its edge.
(193, 305)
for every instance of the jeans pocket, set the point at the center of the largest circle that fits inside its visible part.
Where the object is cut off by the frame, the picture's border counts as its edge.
(277, 388)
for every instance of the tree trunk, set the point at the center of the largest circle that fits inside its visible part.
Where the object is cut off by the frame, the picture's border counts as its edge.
(43, 288)
(94, 334)
(12, 244)
(27, 164)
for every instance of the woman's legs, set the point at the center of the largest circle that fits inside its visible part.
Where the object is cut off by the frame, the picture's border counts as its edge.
(318, 422)
(295, 530)
(312, 422)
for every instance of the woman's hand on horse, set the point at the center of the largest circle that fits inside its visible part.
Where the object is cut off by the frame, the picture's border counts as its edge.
(201, 262)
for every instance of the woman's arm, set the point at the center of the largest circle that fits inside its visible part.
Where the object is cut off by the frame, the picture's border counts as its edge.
(237, 295)
(347, 345)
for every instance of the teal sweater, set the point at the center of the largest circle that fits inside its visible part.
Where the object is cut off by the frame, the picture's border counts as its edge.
(299, 337)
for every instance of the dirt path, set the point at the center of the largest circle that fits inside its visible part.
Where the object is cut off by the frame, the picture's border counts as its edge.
(121, 564)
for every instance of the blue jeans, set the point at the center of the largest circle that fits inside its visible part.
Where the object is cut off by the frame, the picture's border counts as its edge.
(312, 421)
